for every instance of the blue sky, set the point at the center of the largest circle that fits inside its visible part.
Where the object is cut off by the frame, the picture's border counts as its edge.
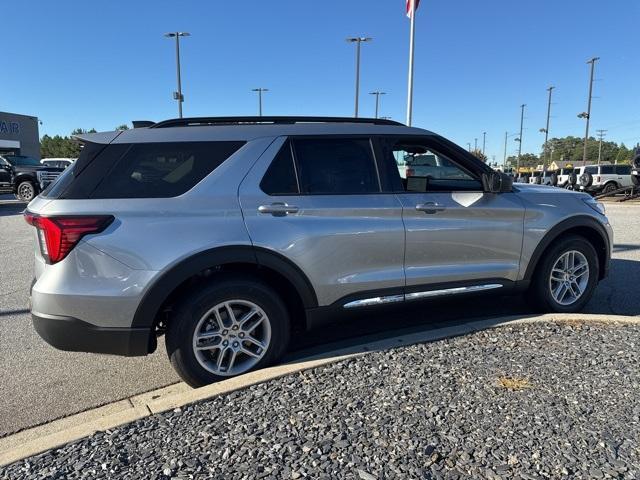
(99, 64)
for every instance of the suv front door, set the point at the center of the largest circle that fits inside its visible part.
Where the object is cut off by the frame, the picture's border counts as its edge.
(5, 173)
(456, 234)
(317, 201)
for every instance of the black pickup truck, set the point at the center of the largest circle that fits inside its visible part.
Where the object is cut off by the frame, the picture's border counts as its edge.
(25, 177)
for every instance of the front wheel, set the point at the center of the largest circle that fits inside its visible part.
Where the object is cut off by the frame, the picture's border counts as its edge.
(226, 329)
(26, 191)
(566, 277)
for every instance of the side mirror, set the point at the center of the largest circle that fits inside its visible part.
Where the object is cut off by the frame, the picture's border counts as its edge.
(497, 182)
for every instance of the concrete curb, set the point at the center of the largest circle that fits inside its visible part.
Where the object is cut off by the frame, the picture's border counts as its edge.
(65, 430)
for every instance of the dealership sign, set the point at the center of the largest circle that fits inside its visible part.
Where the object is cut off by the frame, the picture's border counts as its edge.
(9, 127)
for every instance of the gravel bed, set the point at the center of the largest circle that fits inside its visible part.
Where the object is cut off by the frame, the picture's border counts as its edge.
(556, 400)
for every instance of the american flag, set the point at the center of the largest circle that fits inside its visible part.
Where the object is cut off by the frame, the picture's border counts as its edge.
(412, 6)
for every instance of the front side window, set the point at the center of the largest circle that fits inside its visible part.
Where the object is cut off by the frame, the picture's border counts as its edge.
(331, 166)
(22, 161)
(423, 169)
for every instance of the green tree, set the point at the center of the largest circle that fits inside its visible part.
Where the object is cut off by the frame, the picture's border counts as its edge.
(122, 127)
(478, 154)
(62, 147)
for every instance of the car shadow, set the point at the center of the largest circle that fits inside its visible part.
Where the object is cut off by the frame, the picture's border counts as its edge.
(618, 294)
(625, 247)
(355, 329)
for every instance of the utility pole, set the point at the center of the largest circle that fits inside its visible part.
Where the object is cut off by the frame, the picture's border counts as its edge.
(178, 95)
(504, 158)
(546, 129)
(484, 141)
(260, 90)
(377, 93)
(520, 138)
(358, 41)
(475, 148)
(469, 146)
(587, 115)
(601, 135)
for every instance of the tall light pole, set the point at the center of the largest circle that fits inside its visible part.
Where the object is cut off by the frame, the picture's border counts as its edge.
(469, 146)
(587, 115)
(377, 93)
(475, 145)
(520, 137)
(178, 95)
(358, 41)
(484, 141)
(546, 129)
(601, 135)
(260, 90)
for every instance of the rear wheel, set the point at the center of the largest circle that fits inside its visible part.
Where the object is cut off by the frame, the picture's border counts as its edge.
(610, 187)
(566, 277)
(26, 191)
(226, 329)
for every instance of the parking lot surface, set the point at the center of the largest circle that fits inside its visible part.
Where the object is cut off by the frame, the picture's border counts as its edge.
(41, 384)
(555, 400)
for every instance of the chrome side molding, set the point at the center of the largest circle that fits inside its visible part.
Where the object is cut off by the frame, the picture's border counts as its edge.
(368, 302)
(451, 291)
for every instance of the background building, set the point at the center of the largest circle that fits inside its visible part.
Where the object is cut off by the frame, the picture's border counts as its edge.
(19, 135)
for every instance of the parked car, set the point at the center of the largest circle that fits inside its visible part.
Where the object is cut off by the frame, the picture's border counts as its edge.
(541, 178)
(25, 176)
(57, 162)
(635, 168)
(228, 235)
(604, 178)
(564, 178)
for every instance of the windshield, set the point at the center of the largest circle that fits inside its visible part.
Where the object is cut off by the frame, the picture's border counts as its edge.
(20, 160)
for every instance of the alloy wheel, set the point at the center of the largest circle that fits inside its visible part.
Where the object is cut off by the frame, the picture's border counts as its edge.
(232, 337)
(569, 277)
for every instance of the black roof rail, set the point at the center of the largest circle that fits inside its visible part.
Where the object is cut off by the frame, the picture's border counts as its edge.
(203, 121)
(142, 123)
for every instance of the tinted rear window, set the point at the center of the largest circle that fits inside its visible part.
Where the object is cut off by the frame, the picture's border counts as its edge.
(606, 169)
(142, 170)
(623, 169)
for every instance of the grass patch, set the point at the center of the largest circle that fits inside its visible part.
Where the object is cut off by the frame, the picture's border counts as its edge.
(514, 384)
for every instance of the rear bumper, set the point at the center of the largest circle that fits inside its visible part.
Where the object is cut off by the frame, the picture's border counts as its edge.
(72, 334)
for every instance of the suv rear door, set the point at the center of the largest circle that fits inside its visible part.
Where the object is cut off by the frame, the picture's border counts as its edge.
(318, 202)
(455, 232)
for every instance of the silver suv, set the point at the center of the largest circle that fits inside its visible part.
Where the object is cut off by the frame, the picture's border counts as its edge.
(228, 235)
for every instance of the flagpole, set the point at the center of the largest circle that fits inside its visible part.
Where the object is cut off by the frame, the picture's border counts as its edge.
(411, 42)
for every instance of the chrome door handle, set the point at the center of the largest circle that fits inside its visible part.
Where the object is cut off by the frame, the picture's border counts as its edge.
(278, 209)
(429, 207)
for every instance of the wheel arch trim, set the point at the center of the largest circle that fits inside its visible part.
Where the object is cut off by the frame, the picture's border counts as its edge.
(162, 287)
(581, 221)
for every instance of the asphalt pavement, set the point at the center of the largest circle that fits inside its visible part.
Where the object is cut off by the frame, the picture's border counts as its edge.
(42, 384)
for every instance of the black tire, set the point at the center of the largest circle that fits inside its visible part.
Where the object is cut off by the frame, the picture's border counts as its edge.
(573, 178)
(610, 187)
(554, 179)
(635, 179)
(586, 179)
(539, 294)
(187, 314)
(26, 191)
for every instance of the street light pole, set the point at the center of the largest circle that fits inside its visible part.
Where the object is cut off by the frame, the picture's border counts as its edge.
(178, 95)
(377, 93)
(520, 138)
(484, 141)
(546, 129)
(358, 41)
(587, 114)
(469, 146)
(475, 145)
(260, 90)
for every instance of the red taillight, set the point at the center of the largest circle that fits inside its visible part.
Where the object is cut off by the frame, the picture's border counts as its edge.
(59, 234)
(410, 172)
